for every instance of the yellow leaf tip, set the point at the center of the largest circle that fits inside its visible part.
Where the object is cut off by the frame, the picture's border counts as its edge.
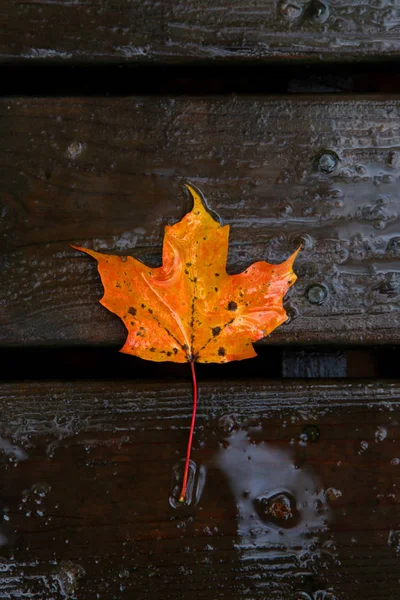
(196, 195)
(293, 257)
(295, 253)
(79, 248)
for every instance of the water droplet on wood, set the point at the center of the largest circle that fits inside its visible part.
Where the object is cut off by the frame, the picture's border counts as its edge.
(317, 294)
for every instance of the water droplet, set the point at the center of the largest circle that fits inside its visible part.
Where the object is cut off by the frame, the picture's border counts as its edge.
(380, 434)
(310, 433)
(379, 224)
(395, 462)
(124, 574)
(227, 423)
(393, 247)
(317, 11)
(291, 312)
(317, 294)
(290, 10)
(333, 494)
(75, 150)
(327, 161)
(195, 484)
(280, 508)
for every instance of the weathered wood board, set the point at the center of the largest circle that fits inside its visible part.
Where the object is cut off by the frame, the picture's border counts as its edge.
(295, 492)
(180, 31)
(109, 174)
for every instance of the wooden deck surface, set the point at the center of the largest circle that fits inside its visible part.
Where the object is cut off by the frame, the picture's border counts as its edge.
(109, 174)
(106, 110)
(191, 31)
(295, 490)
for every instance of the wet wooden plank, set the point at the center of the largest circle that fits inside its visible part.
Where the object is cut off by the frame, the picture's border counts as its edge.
(316, 364)
(109, 174)
(295, 494)
(170, 31)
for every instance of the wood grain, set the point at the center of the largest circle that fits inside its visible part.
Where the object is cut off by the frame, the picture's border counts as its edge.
(109, 174)
(181, 32)
(87, 472)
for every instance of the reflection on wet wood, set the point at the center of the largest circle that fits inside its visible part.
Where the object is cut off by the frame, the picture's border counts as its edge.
(176, 31)
(295, 491)
(109, 173)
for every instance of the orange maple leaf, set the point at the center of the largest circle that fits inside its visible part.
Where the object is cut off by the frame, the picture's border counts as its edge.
(190, 309)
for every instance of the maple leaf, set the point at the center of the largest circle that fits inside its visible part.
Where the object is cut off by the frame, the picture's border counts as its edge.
(190, 309)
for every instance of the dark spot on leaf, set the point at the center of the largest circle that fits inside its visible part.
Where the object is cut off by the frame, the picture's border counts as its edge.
(175, 350)
(232, 305)
(188, 264)
(150, 311)
(117, 285)
(186, 272)
(132, 322)
(194, 279)
(221, 351)
(152, 349)
(216, 274)
(169, 353)
(185, 347)
(143, 306)
(216, 289)
(132, 311)
(216, 331)
(123, 258)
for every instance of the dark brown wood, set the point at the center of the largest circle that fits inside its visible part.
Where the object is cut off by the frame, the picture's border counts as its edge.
(181, 31)
(109, 174)
(316, 364)
(87, 471)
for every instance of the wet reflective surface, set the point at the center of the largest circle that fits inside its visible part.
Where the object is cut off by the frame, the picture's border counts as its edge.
(281, 171)
(293, 491)
(187, 32)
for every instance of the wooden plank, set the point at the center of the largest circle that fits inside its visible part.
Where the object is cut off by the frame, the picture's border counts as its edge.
(316, 364)
(296, 491)
(109, 174)
(170, 31)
